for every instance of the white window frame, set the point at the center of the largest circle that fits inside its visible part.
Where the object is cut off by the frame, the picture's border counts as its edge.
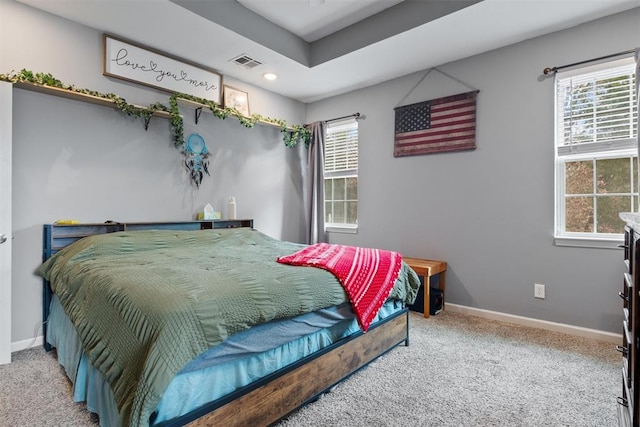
(620, 148)
(344, 173)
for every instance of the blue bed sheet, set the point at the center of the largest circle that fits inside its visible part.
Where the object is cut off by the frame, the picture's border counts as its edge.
(237, 362)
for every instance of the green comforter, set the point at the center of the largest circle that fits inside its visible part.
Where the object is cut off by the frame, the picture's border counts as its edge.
(146, 303)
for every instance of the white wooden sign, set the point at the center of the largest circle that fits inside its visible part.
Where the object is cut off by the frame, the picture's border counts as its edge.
(146, 66)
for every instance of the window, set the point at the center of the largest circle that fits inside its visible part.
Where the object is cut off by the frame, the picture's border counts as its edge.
(341, 175)
(596, 153)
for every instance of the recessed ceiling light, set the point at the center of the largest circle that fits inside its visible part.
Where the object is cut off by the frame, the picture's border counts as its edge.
(270, 76)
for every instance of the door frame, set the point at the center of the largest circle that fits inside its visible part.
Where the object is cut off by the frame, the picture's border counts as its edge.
(6, 120)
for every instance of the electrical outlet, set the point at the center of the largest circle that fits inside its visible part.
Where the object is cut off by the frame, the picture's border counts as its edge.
(538, 291)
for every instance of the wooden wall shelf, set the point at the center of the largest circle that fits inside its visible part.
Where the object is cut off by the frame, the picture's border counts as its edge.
(195, 105)
(77, 96)
(96, 100)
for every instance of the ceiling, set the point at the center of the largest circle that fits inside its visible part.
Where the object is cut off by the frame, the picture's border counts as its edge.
(322, 48)
(312, 20)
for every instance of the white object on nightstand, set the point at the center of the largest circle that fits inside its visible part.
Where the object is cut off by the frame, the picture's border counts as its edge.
(231, 208)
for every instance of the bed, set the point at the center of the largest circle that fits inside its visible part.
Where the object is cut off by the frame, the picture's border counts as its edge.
(247, 357)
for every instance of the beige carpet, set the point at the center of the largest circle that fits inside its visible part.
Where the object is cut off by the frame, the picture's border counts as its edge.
(465, 371)
(459, 370)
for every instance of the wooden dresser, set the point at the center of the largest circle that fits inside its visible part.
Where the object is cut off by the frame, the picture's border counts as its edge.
(628, 401)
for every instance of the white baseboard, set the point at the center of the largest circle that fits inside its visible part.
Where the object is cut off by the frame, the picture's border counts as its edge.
(537, 323)
(25, 344)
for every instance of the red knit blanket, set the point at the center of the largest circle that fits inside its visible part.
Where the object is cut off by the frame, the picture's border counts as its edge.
(367, 275)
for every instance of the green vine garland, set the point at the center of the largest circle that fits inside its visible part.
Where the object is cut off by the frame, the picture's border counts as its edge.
(292, 135)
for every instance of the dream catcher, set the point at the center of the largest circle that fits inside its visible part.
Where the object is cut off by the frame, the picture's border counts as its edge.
(196, 155)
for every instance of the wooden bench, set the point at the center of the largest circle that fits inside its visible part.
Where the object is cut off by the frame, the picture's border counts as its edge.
(428, 268)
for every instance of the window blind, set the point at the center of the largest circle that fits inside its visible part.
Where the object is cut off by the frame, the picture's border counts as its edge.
(597, 110)
(341, 148)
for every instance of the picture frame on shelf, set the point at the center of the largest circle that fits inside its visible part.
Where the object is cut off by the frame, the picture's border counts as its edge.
(237, 99)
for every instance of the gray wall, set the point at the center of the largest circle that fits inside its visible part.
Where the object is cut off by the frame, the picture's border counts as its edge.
(489, 213)
(92, 163)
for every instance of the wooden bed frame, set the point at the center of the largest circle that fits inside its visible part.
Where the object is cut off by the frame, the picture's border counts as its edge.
(272, 398)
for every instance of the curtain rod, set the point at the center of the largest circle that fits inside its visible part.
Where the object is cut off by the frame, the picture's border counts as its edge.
(356, 115)
(549, 70)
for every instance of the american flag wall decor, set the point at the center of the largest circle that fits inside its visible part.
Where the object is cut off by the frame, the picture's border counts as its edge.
(436, 126)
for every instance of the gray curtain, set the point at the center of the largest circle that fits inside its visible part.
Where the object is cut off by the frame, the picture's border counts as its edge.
(315, 185)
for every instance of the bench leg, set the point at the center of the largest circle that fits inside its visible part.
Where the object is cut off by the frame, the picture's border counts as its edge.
(427, 296)
(443, 284)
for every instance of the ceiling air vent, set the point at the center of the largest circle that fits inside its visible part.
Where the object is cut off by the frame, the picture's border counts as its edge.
(246, 61)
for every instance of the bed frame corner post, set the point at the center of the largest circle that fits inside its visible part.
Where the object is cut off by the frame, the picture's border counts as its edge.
(46, 289)
(46, 302)
(406, 341)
